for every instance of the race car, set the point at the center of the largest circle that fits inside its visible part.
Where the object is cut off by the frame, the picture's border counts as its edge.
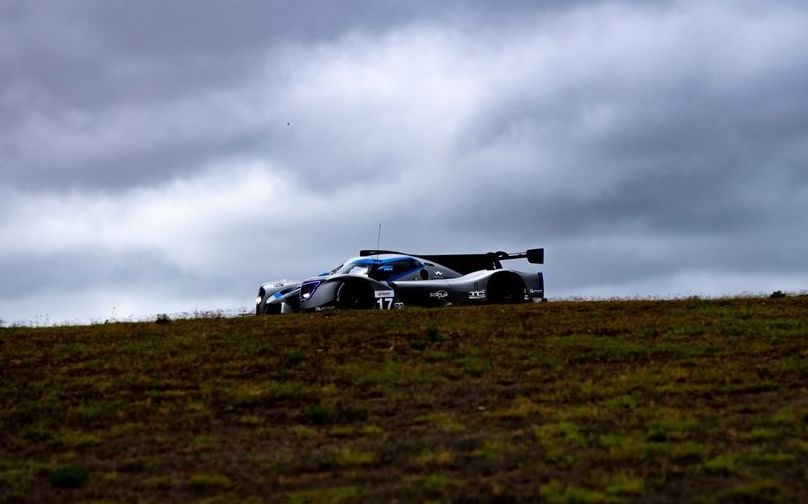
(385, 279)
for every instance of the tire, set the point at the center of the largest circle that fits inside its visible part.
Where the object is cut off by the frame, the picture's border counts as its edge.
(505, 288)
(354, 296)
(272, 309)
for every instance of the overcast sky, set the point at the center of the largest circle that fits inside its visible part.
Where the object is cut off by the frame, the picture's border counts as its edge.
(171, 156)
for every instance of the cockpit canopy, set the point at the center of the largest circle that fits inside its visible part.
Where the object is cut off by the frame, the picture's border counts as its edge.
(383, 268)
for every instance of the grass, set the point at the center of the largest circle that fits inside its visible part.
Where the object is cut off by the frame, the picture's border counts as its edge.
(618, 401)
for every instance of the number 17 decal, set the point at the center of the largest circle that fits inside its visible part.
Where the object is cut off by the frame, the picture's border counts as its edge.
(384, 299)
(384, 303)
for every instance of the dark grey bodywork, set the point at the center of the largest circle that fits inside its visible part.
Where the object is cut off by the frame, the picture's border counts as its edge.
(386, 279)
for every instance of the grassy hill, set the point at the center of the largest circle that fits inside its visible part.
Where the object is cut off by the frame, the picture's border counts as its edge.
(653, 401)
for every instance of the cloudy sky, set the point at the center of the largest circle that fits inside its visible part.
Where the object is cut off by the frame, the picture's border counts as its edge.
(171, 156)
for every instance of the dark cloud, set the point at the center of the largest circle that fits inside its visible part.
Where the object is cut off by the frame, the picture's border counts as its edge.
(89, 81)
(92, 53)
(652, 147)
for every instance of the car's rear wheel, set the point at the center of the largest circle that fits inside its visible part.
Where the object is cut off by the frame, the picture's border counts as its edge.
(505, 288)
(354, 296)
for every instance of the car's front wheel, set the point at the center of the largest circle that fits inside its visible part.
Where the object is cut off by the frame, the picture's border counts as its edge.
(354, 296)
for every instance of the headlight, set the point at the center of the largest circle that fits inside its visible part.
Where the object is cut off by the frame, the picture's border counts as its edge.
(308, 288)
(258, 300)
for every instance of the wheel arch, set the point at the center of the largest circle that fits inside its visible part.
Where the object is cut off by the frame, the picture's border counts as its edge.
(505, 287)
(361, 289)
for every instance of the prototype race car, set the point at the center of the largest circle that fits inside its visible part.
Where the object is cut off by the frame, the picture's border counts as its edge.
(385, 279)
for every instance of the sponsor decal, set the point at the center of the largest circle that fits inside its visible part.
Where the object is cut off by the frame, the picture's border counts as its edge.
(441, 294)
(384, 294)
(477, 294)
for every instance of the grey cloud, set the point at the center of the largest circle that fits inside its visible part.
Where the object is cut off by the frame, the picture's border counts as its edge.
(74, 68)
(60, 273)
(91, 52)
(643, 143)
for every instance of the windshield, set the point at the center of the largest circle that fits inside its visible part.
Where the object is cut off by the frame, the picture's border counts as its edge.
(354, 269)
(383, 270)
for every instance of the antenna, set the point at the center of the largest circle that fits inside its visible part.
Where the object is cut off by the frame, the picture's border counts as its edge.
(378, 240)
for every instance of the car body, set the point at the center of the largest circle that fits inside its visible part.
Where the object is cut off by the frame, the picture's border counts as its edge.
(278, 297)
(386, 279)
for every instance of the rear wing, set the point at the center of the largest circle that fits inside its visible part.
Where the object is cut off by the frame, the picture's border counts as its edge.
(468, 263)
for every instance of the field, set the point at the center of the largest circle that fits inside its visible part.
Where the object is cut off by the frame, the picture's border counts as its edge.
(593, 401)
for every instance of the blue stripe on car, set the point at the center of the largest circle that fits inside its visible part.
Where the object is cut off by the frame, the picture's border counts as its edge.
(363, 262)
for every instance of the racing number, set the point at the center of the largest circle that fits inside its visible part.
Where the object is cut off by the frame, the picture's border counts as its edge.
(384, 299)
(384, 303)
